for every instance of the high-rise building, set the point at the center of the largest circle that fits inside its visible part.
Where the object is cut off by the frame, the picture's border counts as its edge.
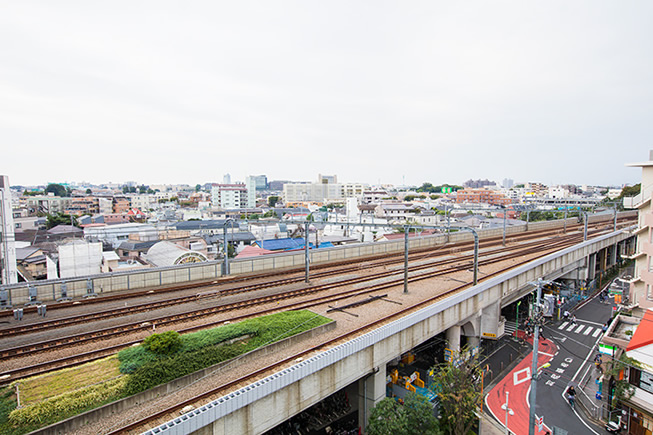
(261, 181)
(7, 235)
(250, 185)
(226, 179)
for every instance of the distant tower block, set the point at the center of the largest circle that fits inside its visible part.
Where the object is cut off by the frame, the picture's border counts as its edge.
(7, 236)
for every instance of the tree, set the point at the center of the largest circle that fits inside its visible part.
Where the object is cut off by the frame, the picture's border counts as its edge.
(198, 187)
(53, 220)
(272, 200)
(621, 388)
(458, 387)
(270, 214)
(57, 189)
(142, 189)
(89, 192)
(629, 191)
(415, 416)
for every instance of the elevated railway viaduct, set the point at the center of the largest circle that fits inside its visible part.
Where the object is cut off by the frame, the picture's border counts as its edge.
(474, 312)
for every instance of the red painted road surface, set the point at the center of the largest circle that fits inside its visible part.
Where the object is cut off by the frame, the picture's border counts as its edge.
(518, 384)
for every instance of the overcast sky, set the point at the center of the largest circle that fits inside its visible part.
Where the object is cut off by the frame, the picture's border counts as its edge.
(371, 91)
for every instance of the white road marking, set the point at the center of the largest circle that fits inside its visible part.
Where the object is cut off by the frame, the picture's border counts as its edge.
(588, 330)
(571, 326)
(563, 325)
(580, 328)
(596, 333)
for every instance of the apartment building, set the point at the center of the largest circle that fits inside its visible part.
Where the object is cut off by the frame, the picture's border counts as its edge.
(641, 287)
(121, 204)
(481, 196)
(231, 196)
(49, 204)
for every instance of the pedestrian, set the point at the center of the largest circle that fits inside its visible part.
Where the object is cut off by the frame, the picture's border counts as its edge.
(573, 319)
(571, 395)
(604, 328)
(566, 315)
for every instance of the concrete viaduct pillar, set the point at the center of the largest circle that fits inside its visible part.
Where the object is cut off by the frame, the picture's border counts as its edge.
(371, 390)
(453, 338)
(491, 326)
(591, 267)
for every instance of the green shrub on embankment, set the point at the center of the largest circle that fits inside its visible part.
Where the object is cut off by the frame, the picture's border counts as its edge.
(202, 349)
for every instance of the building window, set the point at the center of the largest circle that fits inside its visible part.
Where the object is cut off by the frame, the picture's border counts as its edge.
(18, 225)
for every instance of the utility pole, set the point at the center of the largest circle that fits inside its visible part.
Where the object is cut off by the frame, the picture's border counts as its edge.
(306, 252)
(504, 225)
(406, 231)
(585, 230)
(536, 338)
(565, 229)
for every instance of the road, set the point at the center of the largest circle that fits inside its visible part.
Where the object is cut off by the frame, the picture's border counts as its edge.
(570, 349)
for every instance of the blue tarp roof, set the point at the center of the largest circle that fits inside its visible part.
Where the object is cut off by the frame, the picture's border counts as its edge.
(289, 244)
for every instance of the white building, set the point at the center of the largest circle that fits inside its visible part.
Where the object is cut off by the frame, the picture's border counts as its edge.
(80, 258)
(231, 196)
(7, 236)
(311, 192)
(144, 201)
(558, 192)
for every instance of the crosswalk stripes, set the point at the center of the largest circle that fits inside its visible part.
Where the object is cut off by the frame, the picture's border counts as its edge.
(580, 329)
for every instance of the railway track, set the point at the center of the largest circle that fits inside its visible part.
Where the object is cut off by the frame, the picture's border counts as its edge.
(448, 266)
(338, 269)
(226, 280)
(26, 328)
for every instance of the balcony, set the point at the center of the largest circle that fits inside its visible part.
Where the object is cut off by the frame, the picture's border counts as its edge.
(632, 201)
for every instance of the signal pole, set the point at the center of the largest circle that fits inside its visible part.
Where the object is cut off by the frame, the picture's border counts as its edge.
(536, 336)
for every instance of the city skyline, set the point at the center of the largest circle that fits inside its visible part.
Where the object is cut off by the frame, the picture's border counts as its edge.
(386, 93)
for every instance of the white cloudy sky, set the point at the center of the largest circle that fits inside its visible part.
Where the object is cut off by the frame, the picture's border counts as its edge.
(182, 92)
